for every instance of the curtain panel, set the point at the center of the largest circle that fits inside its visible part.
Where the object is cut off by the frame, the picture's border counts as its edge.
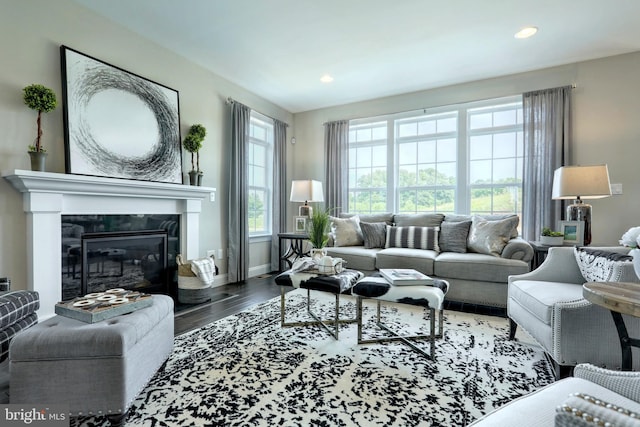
(239, 194)
(279, 219)
(336, 168)
(547, 130)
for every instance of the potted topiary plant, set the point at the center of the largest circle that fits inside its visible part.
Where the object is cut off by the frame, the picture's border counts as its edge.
(193, 143)
(551, 238)
(43, 100)
(319, 232)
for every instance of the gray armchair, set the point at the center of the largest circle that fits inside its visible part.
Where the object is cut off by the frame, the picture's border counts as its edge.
(552, 405)
(548, 304)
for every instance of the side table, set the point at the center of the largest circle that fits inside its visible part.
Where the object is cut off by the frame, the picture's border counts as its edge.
(295, 249)
(540, 252)
(620, 298)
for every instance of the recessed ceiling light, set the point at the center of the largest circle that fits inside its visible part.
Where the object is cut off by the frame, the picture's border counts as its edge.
(526, 32)
(326, 78)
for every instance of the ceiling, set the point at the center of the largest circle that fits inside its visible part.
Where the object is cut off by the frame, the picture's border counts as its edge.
(279, 49)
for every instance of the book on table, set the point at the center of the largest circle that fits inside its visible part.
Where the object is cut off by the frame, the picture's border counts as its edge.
(405, 276)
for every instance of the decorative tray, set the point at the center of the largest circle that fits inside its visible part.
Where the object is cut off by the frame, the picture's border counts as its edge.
(99, 306)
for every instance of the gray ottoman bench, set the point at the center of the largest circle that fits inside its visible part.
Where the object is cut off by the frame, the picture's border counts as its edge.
(94, 368)
(430, 297)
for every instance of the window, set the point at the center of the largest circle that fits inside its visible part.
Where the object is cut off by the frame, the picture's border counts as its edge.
(260, 174)
(465, 158)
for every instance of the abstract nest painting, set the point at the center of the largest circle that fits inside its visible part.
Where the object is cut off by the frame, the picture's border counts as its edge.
(118, 124)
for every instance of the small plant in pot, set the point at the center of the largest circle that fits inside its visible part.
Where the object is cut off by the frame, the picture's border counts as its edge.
(319, 226)
(193, 143)
(43, 100)
(551, 238)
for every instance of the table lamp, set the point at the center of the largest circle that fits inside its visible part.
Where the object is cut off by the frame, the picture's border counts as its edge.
(581, 182)
(306, 191)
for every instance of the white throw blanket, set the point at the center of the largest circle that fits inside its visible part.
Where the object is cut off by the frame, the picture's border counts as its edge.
(204, 269)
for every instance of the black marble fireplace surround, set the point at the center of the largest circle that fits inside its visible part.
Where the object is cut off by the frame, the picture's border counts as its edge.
(136, 252)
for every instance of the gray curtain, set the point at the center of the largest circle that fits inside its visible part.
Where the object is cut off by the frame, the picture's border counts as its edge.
(336, 168)
(547, 127)
(279, 219)
(239, 194)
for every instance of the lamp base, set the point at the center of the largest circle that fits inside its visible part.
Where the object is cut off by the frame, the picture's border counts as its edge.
(579, 211)
(305, 210)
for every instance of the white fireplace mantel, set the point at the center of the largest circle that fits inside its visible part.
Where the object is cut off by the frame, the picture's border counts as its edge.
(47, 196)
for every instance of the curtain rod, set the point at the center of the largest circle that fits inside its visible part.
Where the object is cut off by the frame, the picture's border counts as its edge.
(573, 86)
(230, 101)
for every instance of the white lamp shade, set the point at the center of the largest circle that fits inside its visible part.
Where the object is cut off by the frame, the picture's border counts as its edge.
(585, 182)
(306, 191)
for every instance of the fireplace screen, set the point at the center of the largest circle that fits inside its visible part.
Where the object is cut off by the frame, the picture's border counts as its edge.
(131, 260)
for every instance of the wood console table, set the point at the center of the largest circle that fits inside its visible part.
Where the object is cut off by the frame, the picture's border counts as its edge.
(620, 298)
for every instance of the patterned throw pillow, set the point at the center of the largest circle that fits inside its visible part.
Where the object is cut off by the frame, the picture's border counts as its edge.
(604, 266)
(374, 234)
(490, 237)
(583, 410)
(347, 231)
(413, 238)
(453, 236)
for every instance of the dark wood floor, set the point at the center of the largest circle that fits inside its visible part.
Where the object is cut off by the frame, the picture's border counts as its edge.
(233, 298)
(227, 300)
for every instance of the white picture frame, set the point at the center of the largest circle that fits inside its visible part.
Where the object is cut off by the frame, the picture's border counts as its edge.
(573, 232)
(300, 224)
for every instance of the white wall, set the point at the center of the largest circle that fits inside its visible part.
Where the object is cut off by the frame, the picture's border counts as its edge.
(31, 33)
(606, 126)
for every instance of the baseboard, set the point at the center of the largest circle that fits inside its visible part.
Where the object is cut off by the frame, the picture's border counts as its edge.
(223, 279)
(261, 269)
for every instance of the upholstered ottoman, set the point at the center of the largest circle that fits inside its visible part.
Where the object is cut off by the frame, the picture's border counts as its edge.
(95, 368)
(333, 283)
(430, 297)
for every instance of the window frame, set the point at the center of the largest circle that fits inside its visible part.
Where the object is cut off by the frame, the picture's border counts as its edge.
(258, 120)
(463, 134)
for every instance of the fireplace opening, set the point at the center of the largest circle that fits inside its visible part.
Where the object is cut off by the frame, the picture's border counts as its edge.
(134, 260)
(119, 251)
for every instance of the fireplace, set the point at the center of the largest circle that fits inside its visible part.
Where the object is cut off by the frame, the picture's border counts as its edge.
(138, 252)
(47, 197)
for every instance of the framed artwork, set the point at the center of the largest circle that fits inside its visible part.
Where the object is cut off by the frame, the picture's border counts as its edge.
(300, 224)
(118, 124)
(573, 232)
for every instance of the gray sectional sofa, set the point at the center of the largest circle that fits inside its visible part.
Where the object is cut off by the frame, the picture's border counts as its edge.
(475, 254)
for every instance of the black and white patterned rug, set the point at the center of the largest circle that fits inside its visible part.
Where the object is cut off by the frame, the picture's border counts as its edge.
(245, 370)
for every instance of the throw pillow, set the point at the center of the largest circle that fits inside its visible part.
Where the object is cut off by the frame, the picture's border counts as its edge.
(374, 234)
(581, 409)
(347, 231)
(605, 266)
(490, 237)
(453, 236)
(413, 238)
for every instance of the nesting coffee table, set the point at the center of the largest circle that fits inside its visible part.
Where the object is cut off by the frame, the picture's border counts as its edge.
(428, 296)
(336, 284)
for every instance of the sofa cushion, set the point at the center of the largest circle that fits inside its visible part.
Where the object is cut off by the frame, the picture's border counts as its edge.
(540, 297)
(490, 237)
(477, 267)
(355, 257)
(347, 231)
(604, 266)
(418, 220)
(453, 236)
(374, 234)
(418, 259)
(386, 217)
(413, 237)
